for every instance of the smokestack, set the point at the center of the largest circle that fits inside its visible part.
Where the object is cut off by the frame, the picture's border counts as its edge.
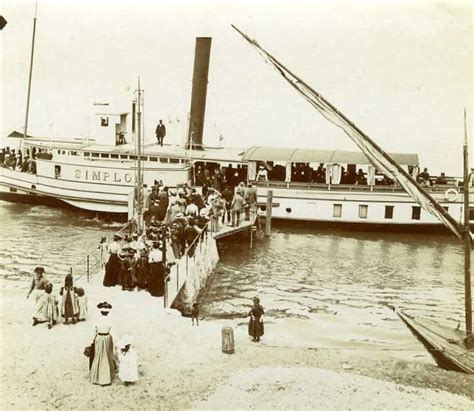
(202, 55)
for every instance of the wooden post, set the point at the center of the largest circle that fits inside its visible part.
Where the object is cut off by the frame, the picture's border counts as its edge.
(88, 268)
(467, 243)
(268, 216)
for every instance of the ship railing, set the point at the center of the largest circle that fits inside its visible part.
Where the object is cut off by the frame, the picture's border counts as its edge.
(95, 259)
(435, 188)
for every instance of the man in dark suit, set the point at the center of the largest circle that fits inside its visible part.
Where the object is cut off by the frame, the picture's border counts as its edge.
(160, 132)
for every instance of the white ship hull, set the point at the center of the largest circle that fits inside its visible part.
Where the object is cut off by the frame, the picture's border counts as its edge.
(385, 206)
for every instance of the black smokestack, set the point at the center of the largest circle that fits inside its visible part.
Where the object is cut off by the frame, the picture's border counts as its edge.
(202, 56)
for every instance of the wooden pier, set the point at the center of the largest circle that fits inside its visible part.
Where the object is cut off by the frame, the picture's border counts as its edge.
(227, 230)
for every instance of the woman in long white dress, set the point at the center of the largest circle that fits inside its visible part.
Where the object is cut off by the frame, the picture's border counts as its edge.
(103, 366)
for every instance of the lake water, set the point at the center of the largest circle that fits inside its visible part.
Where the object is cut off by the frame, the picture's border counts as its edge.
(336, 284)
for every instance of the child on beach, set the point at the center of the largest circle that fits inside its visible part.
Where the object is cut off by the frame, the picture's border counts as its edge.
(69, 309)
(128, 369)
(81, 304)
(47, 308)
(195, 314)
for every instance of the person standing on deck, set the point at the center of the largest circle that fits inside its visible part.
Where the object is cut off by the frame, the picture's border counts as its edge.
(38, 284)
(237, 207)
(227, 196)
(256, 320)
(160, 132)
(164, 202)
(262, 174)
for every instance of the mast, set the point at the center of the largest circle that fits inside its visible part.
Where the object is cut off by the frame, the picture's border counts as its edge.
(25, 130)
(467, 242)
(139, 182)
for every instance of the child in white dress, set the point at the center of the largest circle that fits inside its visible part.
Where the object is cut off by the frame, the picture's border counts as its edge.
(128, 368)
(82, 304)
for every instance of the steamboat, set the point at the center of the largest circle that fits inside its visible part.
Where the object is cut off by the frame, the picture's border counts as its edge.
(307, 185)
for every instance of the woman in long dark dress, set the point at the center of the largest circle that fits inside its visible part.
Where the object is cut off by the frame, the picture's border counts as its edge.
(156, 281)
(142, 270)
(256, 320)
(113, 265)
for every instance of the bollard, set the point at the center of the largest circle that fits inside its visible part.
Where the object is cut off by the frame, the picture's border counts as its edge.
(228, 340)
(268, 217)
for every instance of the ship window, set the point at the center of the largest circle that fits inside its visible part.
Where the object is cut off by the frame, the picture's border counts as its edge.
(389, 212)
(174, 160)
(363, 210)
(114, 156)
(73, 153)
(133, 157)
(337, 210)
(415, 212)
(57, 171)
(163, 160)
(471, 213)
(64, 152)
(87, 154)
(144, 158)
(446, 208)
(95, 154)
(153, 158)
(104, 155)
(123, 157)
(13, 190)
(59, 151)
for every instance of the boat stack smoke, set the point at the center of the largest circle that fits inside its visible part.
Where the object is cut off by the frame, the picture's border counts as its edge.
(202, 56)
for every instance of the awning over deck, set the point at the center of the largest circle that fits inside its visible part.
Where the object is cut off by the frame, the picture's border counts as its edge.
(302, 155)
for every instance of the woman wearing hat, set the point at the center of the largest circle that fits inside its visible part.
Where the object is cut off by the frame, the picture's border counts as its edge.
(38, 284)
(156, 281)
(102, 369)
(256, 320)
(113, 265)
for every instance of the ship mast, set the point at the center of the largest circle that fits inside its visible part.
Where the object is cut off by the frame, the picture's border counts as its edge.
(139, 178)
(467, 242)
(25, 129)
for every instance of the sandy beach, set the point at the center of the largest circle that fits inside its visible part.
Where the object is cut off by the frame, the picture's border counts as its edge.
(182, 367)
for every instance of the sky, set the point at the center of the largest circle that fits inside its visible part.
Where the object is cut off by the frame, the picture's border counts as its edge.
(399, 69)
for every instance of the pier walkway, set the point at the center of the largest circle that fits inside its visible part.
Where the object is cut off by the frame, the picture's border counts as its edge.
(186, 279)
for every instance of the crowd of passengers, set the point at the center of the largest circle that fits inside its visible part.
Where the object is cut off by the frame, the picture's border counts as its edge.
(174, 221)
(15, 160)
(304, 173)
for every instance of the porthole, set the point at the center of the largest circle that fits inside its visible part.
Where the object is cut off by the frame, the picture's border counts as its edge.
(263, 208)
(288, 209)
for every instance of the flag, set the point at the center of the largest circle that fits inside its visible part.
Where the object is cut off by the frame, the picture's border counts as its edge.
(378, 157)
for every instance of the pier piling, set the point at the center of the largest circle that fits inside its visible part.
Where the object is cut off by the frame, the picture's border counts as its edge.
(268, 216)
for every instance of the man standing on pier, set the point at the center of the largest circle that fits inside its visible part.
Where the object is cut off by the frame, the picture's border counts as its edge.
(160, 132)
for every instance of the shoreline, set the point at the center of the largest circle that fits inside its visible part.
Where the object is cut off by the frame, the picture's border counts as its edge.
(182, 367)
